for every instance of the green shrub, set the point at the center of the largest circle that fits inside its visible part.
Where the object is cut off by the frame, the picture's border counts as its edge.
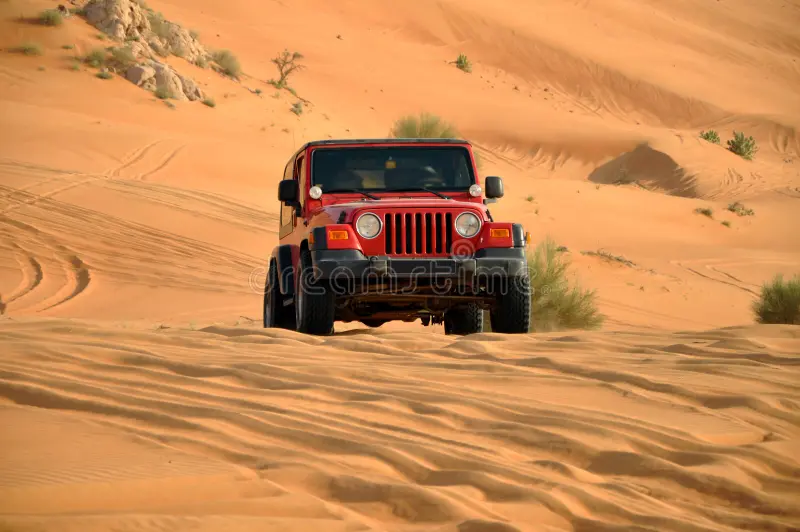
(711, 136)
(423, 126)
(228, 63)
(744, 147)
(463, 63)
(123, 57)
(705, 211)
(158, 25)
(28, 48)
(740, 210)
(96, 58)
(51, 17)
(555, 305)
(104, 75)
(210, 102)
(779, 301)
(163, 93)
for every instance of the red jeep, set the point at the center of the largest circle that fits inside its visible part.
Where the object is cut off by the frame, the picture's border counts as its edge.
(394, 229)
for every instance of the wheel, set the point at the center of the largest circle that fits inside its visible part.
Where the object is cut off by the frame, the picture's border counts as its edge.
(467, 319)
(275, 313)
(314, 302)
(512, 312)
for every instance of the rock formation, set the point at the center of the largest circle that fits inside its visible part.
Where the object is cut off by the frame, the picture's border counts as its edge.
(149, 36)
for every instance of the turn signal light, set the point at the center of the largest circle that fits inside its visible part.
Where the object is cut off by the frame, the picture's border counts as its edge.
(338, 235)
(499, 233)
(528, 239)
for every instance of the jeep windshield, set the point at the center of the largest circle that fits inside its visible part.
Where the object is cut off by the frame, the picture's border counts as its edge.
(392, 169)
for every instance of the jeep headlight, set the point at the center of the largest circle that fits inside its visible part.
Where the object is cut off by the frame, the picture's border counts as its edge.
(467, 224)
(368, 225)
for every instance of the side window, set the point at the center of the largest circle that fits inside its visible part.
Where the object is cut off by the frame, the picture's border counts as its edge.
(300, 172)
(286, 211)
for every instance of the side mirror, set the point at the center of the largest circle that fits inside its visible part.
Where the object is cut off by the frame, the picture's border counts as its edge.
(289, 192)
(494, 187)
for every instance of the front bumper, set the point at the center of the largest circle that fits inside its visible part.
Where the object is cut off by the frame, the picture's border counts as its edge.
(354, 265)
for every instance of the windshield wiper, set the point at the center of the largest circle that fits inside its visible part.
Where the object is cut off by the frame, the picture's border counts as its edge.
(339, 190)
(417, 189)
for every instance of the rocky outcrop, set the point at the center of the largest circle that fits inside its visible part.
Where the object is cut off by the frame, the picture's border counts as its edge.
(149, 36)
(124, 20)
(133, 21)
(153, 76)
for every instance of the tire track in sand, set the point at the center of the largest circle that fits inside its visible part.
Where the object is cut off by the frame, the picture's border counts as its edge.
(77, 273)
(32, 274)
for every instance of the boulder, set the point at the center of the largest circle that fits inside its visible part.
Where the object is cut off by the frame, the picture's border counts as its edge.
(190, 88)
(140, 74)
(167, 78)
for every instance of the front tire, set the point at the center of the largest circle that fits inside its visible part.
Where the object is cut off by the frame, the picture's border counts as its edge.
(467, 319)
(314, 301)
(512, 311)
(275, 313)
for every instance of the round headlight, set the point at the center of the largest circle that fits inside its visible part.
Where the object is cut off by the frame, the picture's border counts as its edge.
(315, 192)
(368, 225)
(467, 224)
(475, 190)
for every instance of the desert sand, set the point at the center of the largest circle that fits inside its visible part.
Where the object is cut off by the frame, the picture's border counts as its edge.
(138, 392)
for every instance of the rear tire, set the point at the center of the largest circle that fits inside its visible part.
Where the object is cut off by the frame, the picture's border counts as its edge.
(314, 301)
(467, 319)
(275, 313)
(512, 312)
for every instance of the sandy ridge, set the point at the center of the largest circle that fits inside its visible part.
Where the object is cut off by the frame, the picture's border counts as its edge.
(441, 430)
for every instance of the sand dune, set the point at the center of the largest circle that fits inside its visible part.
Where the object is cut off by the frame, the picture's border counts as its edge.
(138, 392)
(241, 429)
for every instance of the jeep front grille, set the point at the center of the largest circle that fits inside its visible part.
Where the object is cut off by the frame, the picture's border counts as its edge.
(418, 233)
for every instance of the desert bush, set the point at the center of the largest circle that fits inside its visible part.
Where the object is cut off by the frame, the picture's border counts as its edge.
(287, 64)
(28, 48)
(779, 301)
(740, 210)
(158, 24)
(297, 108)
(228, 63)
(210, 102)
(705, 211)
(96, 58)
(425, 125)
(711, 136)
(104, 75)
(163, 93)
(463, 63)
(51, 17)
(744, 147)
(555, 304)
(123, 57)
